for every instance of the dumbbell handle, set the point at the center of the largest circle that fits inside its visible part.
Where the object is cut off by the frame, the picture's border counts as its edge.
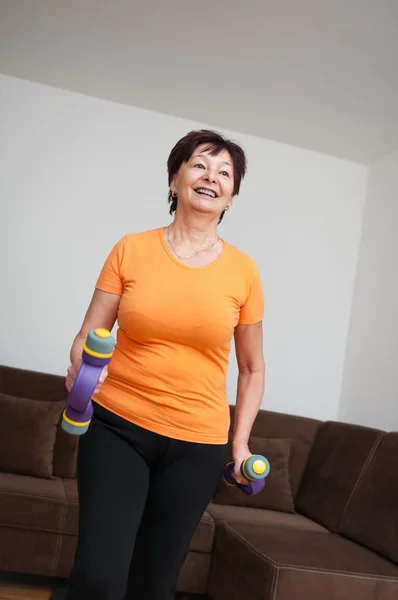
(251, 472)
(83, 387)
(250, 489)
(97, 353)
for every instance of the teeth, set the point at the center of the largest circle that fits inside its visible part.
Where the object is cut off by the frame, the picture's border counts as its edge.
(207, 192)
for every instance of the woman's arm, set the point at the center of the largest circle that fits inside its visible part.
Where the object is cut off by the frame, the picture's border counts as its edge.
(251, 366)
(101, 313)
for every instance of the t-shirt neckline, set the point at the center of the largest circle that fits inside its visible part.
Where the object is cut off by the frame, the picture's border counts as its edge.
(211, 264)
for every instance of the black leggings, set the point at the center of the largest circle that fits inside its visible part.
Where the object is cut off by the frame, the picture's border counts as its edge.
(141, 497)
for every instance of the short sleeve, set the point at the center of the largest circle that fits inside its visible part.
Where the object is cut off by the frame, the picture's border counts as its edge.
(252, 311)
(110, 278)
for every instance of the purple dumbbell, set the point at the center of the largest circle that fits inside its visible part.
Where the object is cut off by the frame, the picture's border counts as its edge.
(255, 469)
(97, 353)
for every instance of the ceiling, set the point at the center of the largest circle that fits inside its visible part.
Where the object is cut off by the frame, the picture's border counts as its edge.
(319, 74)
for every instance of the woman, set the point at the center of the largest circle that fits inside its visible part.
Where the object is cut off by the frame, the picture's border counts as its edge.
(156, 447)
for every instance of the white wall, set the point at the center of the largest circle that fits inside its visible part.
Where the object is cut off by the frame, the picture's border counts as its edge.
(370, 385)
(78, 173)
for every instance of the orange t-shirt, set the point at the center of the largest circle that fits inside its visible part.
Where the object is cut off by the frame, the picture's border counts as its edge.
(175, 327)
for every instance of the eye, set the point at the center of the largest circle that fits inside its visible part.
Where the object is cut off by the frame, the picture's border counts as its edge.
(199, 165)
(225, 173)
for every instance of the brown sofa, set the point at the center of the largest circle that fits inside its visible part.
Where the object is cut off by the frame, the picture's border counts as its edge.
(325, 526)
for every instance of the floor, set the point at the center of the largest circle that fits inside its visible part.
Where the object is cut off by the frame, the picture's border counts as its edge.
(15, 590)
(19, 587)
(12, 591)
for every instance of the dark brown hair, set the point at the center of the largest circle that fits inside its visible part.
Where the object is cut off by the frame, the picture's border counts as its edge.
(215, 142)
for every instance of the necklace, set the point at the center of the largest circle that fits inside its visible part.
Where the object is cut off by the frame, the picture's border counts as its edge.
(190, 255)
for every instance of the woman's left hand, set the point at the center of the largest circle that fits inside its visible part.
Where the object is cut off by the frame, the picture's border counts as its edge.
(239, 453)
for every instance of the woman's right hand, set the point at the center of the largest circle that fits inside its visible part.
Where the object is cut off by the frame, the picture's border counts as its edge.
(73, 370)
(71, 373)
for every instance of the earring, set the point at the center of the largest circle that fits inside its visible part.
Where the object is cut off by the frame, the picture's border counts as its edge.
(228, 207)
(174, 194)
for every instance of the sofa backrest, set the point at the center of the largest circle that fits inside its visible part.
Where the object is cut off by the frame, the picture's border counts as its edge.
(24, 383)
(301, 430)
(371, 517)
(32, 384)
(337, 462)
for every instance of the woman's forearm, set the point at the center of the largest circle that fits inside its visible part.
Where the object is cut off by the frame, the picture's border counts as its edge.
(102, 312)
(248, 401)
(77, 348)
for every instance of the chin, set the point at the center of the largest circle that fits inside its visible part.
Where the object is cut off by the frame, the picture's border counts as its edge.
(207, 207)
(205, 210)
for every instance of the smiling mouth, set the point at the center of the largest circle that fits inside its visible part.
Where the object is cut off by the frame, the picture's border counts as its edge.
(206, 192)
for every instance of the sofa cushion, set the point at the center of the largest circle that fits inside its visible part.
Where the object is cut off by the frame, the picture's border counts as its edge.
(262, 517)
(65, 454)
(32, 503)
(27, 552)
(301, 430)
(24, 383)
(337, 462)
(28, 430)
(249, 562)
(192, 579)
(71, 520)
(194, 575)
(371, 517)
(277, 493)
(203, 538)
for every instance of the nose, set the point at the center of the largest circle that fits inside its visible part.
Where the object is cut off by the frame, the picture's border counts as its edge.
(210, 176)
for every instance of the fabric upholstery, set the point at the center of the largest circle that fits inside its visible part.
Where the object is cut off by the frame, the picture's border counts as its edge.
(47, 554)
(44, 386)
(65, 556)
(28, 551)
(32, 503)
(336, 463)
(193, 576)
(35, 385)
(65, 454)
(249, 564)
(277, 493)
(202, 540)
(71, 517)
(371, 517)
(32, 384)
(301, 430)
(254, 553)
(262, 518)
(28, 430)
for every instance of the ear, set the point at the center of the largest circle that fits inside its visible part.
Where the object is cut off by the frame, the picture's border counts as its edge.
(173, 185)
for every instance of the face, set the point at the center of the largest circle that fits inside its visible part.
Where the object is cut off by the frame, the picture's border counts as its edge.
(205, 182)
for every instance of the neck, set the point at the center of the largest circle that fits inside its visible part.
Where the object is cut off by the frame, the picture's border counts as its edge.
(193, 229)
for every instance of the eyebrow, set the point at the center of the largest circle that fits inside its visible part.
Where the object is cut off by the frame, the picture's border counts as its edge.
(203, 156)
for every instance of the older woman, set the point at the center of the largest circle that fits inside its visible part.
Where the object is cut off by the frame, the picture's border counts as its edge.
(156, 447)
